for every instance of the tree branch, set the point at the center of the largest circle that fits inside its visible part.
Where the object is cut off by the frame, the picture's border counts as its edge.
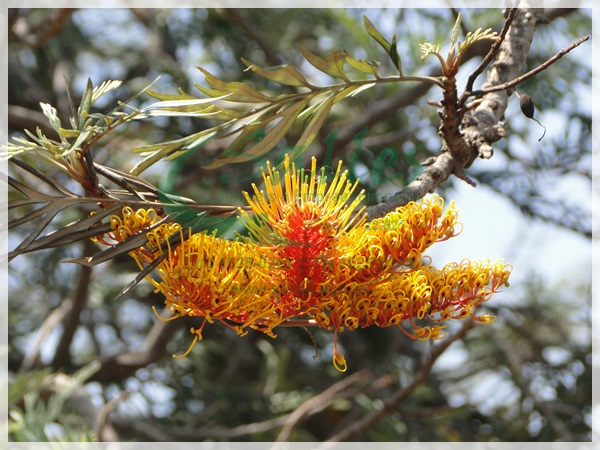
(121, 366)
(345, 388)
(391, 403)
(479, 128)
(531, 73)
(62, 357)
(492, 52)
(516, 367)
(270, 55)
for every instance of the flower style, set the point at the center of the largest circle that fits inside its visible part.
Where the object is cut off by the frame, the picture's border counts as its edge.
(311, 254)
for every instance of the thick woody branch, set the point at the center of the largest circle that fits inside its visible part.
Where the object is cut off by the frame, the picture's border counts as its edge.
(481, 127)
(438, 170)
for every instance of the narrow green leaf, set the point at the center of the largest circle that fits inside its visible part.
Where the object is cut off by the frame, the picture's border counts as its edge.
(363, 65)
(198, 105)
(272, 138)
(375, 34)
(389, 47)
(351, 91)
(455, 30)
(86, 100)
(187, 105)
(81, 139)
(332, 64)
(336, 60)
(66, 133)
(156, 152)
(239, 91)
(286, 74)
(214, 93)
(315, 124)
(395, 56)
(160, 96)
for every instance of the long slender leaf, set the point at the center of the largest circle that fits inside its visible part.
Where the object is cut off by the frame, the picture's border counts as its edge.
(395, 56)
(161, 96)
(170, 148)
(362, 65)
(85, 105)
(389, 47)
(286, 74)
(79, 230)
(141, 275)
(332, 64)
(375, 34)
(455, 30)
(238, 91)
(194, 105)
(351, 91)
(315, 123)
(286, 118)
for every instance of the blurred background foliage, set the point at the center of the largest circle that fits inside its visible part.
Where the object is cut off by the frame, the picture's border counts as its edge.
(85, 367)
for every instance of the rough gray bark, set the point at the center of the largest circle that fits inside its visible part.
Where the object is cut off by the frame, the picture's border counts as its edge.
(480, 127)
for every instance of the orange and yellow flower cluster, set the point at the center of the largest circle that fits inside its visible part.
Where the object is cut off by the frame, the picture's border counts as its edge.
(311, 254)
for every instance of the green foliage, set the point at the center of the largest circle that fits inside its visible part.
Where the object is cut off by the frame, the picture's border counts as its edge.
(253, 133)
(86, 128)
(389, 47)
(453, 59)
(40, 410)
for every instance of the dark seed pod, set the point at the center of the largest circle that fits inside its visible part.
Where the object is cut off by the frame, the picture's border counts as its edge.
(528, 110)
(527, 106)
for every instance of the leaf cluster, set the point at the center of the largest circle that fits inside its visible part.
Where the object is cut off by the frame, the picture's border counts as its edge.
(41, 410)
(456, 52)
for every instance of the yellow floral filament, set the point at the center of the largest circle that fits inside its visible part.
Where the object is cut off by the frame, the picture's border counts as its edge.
(311, 253)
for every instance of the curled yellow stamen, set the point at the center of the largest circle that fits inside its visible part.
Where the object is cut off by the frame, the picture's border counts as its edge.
(187, 352)
(164, 319)
(310, 253)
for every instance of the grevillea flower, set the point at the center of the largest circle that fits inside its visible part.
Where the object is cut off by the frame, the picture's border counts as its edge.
(311, 254)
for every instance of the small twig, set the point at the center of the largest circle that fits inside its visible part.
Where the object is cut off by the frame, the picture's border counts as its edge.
(531, 73)
(104, 411)
(120, 366)
(314, 343)
(272, 58)
(342, 389)
(491, 53)
(391, 403)
(53, 320)
(62, 356)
